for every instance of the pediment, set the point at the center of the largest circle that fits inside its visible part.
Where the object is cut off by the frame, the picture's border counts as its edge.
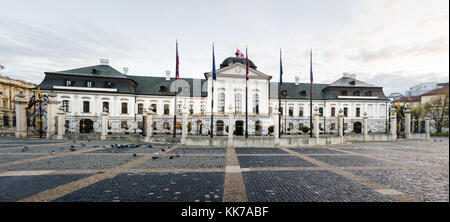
(237, 70)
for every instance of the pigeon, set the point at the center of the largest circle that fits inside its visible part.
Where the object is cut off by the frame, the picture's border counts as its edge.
(83, 144)
(154, 157)
(95, 146)
(61, 148)
(53, 152)
(72, 146)
(134, 154)
(112, 146)
(163, 150)
(25, 149)
(73, 149)
(171, 157)
(177, 155)
(137, 145)
(89, 140)
(149, 146)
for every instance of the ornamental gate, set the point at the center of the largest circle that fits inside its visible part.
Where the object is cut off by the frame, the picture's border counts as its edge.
(37, 114)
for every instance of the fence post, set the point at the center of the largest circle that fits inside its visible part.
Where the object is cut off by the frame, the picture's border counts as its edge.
(427, 127)
(407, 113)
(316, 122)
(21, 116)
(51, 114)
(184, 129)
(104, 117)
(276, 131)
(61, 124)
(230, 129)
(393, 119)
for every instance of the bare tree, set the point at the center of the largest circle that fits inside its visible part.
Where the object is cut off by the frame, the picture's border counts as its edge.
(437, 110)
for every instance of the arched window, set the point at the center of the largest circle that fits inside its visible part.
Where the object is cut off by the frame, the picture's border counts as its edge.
(106, 106)
(124, 108)
(238, 103)
(221, 105)
(255, 103)
(85, 106)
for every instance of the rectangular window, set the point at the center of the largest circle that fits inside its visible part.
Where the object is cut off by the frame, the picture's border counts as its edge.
(153, 108)
(356, 93)
(345, 111)
(300, 111)
(369, 93)
(85, 106)
(65, 105)
(333, 111)
(191, 109)
(140, 108)
(124, 108)
(320, 111)
(106, 106)
(202, 108)
(291, 111)
(166, 109)
(358, 112)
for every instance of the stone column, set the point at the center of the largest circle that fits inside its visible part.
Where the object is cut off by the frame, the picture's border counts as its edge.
(341, 122)
(144, 122)
(51, 114)
(316, 122)
(104, 117)
(407, 113)
(276, 129)
(393, 121)
(365, 125)
(230, 129)
(61, 129)
(427, 127)
(21, 116)
(184, 130)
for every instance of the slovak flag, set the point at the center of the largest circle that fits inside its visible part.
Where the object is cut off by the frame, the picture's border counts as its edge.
(240, 54)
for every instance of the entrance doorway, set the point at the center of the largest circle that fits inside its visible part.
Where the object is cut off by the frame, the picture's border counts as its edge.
(239, 128)
(219, 127)
(86, 126)
(357, 127)
(199, 127)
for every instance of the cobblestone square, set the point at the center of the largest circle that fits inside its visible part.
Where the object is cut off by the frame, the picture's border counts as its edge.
(96, 172)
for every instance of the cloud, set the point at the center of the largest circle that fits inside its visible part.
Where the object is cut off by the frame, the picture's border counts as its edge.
(432, 47)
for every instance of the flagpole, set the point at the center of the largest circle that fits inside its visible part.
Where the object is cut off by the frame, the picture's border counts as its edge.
(279, 99)
(212, 97)
(176, 87)
(246, 93)
(310, 94)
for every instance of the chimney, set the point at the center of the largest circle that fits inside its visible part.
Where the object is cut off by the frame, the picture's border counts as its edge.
(350, 75)
(104, 61)
(167, 75)
(125, 70)
(297, 80)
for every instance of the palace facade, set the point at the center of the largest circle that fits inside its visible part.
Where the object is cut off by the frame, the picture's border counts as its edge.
(85, 92)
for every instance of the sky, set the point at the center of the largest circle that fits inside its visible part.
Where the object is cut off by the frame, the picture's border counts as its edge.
(390, 43)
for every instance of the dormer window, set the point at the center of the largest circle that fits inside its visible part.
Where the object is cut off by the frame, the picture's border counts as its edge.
(108, 84)
(356, 93)
(95, 71)
(352, 82)
(369, 93)
(343, 93)
(162, 89)
(303, 93)
(67, 82)
(89, 84)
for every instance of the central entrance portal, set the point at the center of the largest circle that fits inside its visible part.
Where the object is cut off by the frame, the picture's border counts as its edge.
(239, 128)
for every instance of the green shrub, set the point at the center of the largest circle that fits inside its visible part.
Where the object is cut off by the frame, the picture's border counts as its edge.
(439, 134)
(305, 129)
(270, 128)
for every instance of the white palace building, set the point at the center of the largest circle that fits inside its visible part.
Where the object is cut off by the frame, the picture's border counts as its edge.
(85, 92)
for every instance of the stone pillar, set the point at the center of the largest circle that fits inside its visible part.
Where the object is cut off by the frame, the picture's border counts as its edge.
(407, 113)
(427, 127)
(276, 129)
(341, 122)
(104, 117)
(316, 122)
(21, 116)
(144, 122)
(230, 129)
(393, 122)
(365, 124)
(184, 129)
(51, 114)
(61, 129)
